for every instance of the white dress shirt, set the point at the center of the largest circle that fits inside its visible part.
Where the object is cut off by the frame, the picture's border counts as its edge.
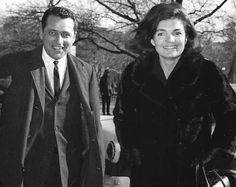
(62, 65)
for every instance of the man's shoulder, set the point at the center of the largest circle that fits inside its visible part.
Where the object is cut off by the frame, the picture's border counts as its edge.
(79, 61)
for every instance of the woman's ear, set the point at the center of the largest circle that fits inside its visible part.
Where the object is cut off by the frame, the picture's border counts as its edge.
(152, 42)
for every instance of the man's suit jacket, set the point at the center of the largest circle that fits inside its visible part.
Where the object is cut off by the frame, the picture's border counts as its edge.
(26, 85)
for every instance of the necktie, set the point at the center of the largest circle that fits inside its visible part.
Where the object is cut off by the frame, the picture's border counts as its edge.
(56, 79)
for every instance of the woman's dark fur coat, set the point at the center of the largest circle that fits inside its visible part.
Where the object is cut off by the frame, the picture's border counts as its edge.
(166, 127)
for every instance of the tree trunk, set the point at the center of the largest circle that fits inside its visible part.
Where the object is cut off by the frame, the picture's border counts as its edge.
(179, 1)
(232, 72)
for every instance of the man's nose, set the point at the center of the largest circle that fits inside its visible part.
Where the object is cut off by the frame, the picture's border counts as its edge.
(59, 39)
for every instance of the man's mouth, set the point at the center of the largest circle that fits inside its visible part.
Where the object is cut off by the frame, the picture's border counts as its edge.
(58, 48)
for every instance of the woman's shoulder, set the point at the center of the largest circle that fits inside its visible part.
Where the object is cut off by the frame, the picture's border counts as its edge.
(211, 68)
(130, 66)
(198, 61)
(209, 63)
(213, 75)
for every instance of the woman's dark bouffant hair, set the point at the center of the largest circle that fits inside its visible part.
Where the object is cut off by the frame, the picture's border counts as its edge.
(147, 28)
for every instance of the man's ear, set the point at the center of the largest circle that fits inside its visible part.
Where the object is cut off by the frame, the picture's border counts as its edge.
(75, 35)
(152, 42)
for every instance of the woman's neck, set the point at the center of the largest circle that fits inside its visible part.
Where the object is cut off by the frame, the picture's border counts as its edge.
(168, 66)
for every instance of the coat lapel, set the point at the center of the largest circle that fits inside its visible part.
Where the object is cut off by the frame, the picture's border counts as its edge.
(48, 86)
(81, 79)
(37, 70)
(150, 80)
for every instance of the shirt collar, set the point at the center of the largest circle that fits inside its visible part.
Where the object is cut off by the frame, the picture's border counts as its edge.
(49, 61)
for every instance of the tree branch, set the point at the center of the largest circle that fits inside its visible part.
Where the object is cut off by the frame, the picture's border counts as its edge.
(211, 13)
(116, 12)
(121, 51)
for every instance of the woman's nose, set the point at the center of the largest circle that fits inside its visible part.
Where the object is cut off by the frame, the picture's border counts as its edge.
(170, 38)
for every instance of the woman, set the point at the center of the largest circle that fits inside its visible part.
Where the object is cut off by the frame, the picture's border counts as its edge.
(175, 109)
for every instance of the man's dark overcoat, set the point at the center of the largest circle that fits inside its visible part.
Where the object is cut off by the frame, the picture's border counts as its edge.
(106, 85)
(21, 116)
(167, 127)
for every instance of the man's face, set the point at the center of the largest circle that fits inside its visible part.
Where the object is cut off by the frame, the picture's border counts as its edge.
(58, 36)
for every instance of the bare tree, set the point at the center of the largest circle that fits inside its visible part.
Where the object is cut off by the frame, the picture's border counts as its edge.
(231, 33)
(126, 14)
(52, 3)
(22, 28)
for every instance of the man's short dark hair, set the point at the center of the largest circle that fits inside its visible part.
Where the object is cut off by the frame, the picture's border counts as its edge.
(60, 12)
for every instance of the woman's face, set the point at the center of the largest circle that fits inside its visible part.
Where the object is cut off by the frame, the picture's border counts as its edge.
(170, 39)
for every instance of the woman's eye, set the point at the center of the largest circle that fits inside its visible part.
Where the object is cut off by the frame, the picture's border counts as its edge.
(178, 33)
(159, 34)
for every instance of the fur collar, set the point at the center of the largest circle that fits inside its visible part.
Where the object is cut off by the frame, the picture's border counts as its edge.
(186, 71)
(151, 83)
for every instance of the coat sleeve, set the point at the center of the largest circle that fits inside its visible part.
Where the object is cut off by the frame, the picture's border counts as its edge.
(124, 111)
(125, 119)
(7, 65)
(10, 65)
(94, 102)
(224, 111)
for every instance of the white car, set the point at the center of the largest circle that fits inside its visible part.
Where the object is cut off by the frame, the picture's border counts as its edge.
(234, 87)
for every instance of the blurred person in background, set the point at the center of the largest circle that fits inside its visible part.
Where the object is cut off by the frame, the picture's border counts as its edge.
(106, 90)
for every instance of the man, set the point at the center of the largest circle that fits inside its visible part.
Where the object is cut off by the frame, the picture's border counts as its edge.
(50, 133)
(106, 90)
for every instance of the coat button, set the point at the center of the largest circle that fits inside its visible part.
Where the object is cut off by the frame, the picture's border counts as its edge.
(170, 97)
(36, 107)
(178, 120)
(23, 171)
(57, 129)
(28, 138)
